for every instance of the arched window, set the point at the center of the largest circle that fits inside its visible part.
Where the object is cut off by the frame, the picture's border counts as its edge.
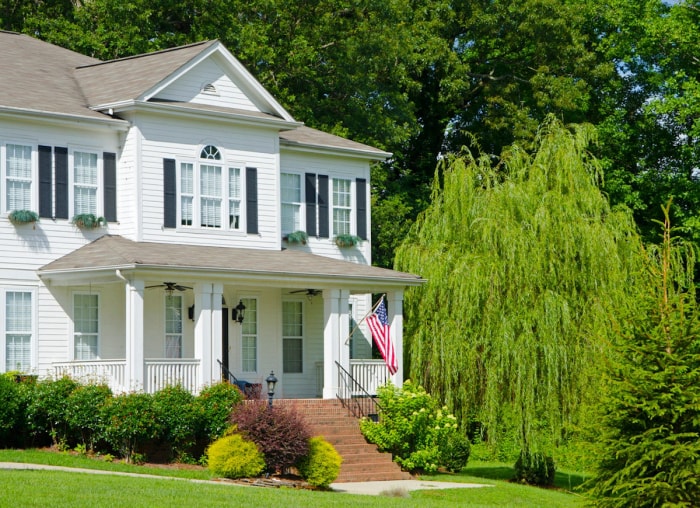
(210, 152)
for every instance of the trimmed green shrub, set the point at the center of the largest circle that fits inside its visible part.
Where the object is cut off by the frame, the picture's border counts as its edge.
(233, 456)
(412, 427)
(455, 452)
(216, 403)
(46, 409)
(280, 433)
(535, 469)
(321, 466)
(130, 421)
(84, 413)
(179, 418)
(10, 410)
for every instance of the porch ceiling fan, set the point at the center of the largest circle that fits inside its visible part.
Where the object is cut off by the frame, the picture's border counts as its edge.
(309, 292)
(170, 286)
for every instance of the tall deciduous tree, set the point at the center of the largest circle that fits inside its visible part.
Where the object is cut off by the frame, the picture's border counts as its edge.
(525, 262)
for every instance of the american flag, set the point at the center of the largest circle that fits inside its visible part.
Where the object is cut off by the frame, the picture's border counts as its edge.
(378, 323)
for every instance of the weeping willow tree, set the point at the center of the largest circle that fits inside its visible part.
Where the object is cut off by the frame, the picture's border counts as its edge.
(526, 263)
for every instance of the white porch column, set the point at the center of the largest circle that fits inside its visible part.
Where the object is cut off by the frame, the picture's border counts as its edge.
(216, 332)
(343, 337)
(395, 311)
(134, 335)
(331, 352)
(202, 330)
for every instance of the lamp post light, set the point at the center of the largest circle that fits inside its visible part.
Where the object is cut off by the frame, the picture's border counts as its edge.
(271, 382)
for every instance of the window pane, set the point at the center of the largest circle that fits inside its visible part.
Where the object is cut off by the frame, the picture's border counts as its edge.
(18, 352)
(186, 193)
(18, 330)
(85, 326)
(292, 356)
(173, 346)
(210, 189)
(341, 207)
(249, 336)
(292, 332)
(234, 195)
(84, 182)
(19, 177)
(291, 202)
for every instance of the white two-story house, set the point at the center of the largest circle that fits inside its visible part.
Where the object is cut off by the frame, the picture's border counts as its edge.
(165, 187)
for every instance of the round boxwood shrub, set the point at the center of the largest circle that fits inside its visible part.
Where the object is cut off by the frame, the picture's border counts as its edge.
(233, 456)
(216, 402)
(535, 469)
(321, 466)
(455, 452)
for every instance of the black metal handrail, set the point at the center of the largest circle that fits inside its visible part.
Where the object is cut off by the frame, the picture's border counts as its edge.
(250, 391)
(227, 375)
(354, 397)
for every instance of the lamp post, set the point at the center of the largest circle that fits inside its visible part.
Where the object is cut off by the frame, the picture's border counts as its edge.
(271, 382)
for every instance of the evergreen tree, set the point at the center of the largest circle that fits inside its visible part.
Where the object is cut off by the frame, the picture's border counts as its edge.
(650, 447)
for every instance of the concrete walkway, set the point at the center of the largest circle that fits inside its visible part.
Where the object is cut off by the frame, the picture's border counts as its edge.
(391, 487)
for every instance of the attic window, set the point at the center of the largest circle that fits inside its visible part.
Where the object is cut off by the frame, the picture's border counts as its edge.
(209, 89)
(210, 152)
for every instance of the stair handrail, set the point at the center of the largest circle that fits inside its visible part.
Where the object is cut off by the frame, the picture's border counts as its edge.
(227, 374)
(353, 396)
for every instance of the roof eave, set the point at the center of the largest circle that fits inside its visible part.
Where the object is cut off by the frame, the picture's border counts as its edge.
(312, 147)
(62, 118)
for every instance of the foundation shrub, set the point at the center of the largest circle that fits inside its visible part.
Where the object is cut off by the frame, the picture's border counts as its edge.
(10, 408)
(179, 418)
(130, 421)
(46, 410)
(233, 456)
(216, 403)
(321, 466)
(281, 433)
(84, 413)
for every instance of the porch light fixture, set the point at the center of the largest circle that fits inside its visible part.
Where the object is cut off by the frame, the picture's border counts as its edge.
(271, 382)
(190, 312)
(237, 312)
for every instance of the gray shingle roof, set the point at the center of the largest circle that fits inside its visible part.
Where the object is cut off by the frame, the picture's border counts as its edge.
(113, 251)
(308, 137)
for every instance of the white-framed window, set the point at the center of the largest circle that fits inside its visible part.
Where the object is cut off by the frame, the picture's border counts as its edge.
(210, 192)
(342, 206)
(18, 173)
(19, 330)
(85, 182)
(86, 326)
(249, 336)
(292, 337)
(290, 193)
(173, 326)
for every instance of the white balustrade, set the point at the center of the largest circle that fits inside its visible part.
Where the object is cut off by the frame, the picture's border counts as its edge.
(370, 374)
(167, 372)
(110, 372)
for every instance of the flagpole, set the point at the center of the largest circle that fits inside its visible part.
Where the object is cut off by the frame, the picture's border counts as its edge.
(374, 307)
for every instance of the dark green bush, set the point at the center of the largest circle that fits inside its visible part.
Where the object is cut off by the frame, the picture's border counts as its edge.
(179, 418)
(10, 409)
(280, 433)
(321, 466)
(46, 409)
(234, 456)
(535, 469)
(455, 452)
(84, 413)
(216, 403)
(130, 421)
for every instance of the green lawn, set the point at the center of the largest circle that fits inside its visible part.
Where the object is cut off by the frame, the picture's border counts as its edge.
(57, 488)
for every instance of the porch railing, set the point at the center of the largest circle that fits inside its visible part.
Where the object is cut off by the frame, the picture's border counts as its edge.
(370, 374)
(354, 397)
(167, 372)
(110, 372)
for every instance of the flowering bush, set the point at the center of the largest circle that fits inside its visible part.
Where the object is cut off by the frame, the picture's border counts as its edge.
(419, 433)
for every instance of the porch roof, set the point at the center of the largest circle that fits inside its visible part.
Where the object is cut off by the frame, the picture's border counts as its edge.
(286, 267)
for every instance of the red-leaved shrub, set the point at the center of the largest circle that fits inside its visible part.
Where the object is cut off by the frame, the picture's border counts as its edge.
(281, 433)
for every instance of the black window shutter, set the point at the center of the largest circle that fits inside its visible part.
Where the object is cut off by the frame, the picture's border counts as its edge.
(323, 230)
(310, 192)
(361, 193)
(45, 182)
(169, 193)
(61, 165)
(251, 200)
(109, 161)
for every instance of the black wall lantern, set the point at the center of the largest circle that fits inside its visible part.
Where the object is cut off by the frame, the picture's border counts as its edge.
(237, 312)
(190, 312)
(271, 382)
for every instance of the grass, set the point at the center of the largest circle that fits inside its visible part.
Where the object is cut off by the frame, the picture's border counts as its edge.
(58, 488)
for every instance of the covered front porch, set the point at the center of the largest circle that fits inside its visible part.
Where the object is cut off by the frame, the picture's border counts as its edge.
(134, 329)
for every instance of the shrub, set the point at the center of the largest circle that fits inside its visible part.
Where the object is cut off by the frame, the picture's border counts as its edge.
(10, 410)
(322, 464)
(280, 433)
(130, 420)
(216, 402)
(233, 456)
(179, 418)
(455, 452)
(412, 427)
(84, 412)
(46, 409)
(535, 469)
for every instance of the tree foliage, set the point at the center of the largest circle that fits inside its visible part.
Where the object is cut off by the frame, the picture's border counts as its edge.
(650, 446)
(524, 262)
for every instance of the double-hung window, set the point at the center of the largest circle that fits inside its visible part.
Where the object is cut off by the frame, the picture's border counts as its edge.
(85, 183)
(210, 195)
(249, 336)
(173, 326)
(186, 193)
(292, 337)
(234, 198)
(85, 326)
(342, 206)
(291, 202)
(18, 170)
(18, 330)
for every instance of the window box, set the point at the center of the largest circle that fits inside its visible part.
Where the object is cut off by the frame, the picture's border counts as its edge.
(297, 237)
(87, 221)
(347, 240)
(19, 217)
